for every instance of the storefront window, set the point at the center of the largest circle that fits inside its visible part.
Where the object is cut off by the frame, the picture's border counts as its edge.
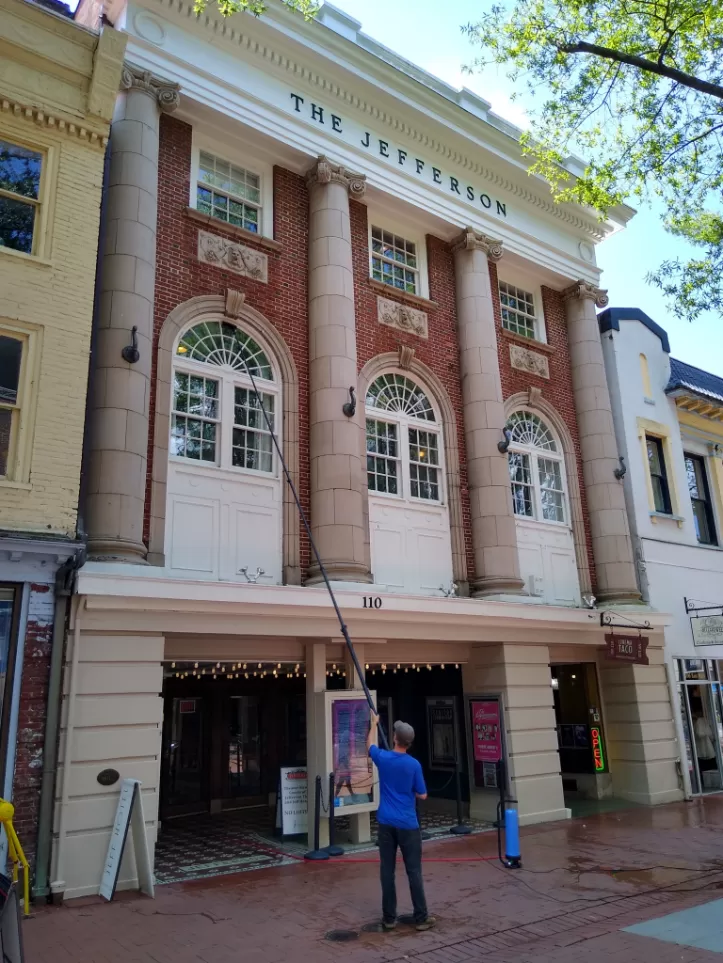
(701, 713)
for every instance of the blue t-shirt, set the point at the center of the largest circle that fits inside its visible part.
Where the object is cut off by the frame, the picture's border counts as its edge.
(400, 777)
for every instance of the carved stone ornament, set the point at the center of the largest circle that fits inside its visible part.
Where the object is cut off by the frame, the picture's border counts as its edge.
(232, 257)
(166, 93)
(395, 315)
(324, 172)
(234, 303)
(471, 240)
(406, 356)
(525, 360)
(584, 291)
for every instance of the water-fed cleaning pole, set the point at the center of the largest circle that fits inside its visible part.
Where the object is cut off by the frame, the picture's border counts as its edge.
(314, 549)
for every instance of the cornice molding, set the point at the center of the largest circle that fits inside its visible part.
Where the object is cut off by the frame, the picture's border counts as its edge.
(584, 291)
(45, 119)
(471, 240)
(282, 62)
(324, 172)
(166, 93)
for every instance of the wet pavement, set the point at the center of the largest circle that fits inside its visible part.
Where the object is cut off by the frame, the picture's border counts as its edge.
(585, 887)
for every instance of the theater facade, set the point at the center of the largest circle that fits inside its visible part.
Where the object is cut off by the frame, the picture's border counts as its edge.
(293, 208)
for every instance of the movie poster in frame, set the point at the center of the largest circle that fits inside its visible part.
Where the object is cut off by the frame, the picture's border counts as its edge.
(356, 782)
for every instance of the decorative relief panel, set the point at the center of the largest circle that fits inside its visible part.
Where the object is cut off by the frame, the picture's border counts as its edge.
(233, 257)
(525, 360)
(395, 315)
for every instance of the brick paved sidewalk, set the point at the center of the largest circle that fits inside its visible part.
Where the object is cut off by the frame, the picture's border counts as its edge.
(582, 884)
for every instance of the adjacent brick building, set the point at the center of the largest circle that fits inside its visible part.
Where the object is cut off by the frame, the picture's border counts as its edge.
(56, 101)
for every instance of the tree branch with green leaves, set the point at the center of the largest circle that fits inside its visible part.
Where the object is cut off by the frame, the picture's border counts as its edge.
(637, 87)
(308, 8)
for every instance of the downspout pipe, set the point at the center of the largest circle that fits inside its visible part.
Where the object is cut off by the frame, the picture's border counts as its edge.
(64, 587)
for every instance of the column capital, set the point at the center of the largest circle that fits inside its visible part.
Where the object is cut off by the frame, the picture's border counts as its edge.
(585, 291)
(324, 172)
(166, 94)
(471, 240)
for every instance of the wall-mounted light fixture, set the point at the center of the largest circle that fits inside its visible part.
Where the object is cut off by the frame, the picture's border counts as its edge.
(349, 407)
(503, 446)
(589, 600)
(130, 353)
(620, 472)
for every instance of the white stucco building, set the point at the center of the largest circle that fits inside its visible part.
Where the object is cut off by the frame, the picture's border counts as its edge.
(669, 425)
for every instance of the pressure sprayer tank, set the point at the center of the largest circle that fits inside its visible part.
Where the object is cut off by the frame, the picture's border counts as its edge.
(512, 837)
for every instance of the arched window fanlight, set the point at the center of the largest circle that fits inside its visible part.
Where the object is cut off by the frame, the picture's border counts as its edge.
(221, 343)
(528, 430)
(536, 469)
(396, 393)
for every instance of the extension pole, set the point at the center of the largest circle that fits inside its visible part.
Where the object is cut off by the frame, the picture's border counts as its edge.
(315, 550)
(316, 852)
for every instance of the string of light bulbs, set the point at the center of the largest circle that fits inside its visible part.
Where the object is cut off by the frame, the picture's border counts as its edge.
(291, 670)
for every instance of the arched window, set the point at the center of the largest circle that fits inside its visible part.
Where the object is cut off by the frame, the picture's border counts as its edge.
(536, 469)
(403, 440)
(216, 417)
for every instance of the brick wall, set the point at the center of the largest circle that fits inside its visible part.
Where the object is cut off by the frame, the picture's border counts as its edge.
(440, 351)
(180, 275)
(558, 389)
(31, 718)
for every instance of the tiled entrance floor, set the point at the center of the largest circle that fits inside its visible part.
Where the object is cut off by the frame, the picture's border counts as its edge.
(700, 927)
(200, 847)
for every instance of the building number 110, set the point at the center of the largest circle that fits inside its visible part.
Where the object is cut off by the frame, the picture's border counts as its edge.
(372, 602)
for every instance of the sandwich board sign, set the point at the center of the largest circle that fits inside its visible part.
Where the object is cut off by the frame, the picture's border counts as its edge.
(129, 815)
(292, 804)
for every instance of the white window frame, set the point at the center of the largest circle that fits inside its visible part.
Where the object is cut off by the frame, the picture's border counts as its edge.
(404, 423)
(229, 379)
(409, 233)
(534, 454)
(249, 162)
(529, 285)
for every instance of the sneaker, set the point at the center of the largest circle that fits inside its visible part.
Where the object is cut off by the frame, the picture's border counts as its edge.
(388, 925)
(426, 924)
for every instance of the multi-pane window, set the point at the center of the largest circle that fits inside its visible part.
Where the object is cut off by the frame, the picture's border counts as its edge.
(403, 448)
(11, 358)
(382, 457)
(700, 499)
(536, 469)
(658, 475)
(228, 192)
(394, 261)
(195, 416)
(252, 445)
(518, 310)
(20, 176)
(217, 416)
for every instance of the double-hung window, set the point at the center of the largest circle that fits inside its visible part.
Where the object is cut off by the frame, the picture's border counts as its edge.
(519, 311)
(403, 441)
(12, 352)
(700, 499)
(658, 475)
(536, 469)
(229, 192)
(217, 418)
(20, 196)
(395, 261)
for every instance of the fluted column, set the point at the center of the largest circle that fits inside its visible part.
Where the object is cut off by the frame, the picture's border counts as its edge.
(121, 385)
(611, 543)
(494, 536)
(336, 441)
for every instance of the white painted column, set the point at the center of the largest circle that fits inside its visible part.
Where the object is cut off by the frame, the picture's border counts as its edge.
(316, 735)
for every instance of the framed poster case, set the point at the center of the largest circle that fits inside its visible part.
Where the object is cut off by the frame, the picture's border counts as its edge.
(346, 718)
(484, 714)
(442, 733)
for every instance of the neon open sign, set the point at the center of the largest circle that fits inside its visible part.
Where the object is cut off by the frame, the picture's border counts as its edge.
(598, 754)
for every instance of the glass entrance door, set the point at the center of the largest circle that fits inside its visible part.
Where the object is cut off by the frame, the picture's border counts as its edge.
(184, 784)
(244, 747)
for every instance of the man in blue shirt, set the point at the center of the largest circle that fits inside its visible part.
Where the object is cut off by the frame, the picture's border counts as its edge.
(401, 783)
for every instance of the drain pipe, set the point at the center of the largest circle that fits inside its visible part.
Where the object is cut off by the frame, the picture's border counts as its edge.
(64, 585)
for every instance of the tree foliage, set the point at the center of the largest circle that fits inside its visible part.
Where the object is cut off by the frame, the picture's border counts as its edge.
(636, 86)
(256, 7)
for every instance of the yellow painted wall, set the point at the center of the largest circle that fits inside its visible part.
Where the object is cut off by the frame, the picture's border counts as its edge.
(48, 297)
